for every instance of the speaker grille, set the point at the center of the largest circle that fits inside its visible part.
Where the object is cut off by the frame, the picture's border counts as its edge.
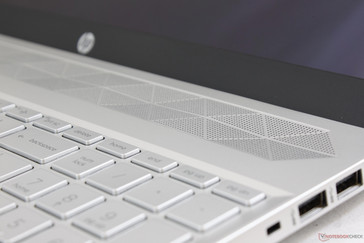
(260, 134)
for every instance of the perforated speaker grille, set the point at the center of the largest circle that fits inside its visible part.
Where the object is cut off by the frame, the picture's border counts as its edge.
(240, 128)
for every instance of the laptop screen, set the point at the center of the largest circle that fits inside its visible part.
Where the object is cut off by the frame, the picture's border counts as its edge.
(227, 45)
(326, 35)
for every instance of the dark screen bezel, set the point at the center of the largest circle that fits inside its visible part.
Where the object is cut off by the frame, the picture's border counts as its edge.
(325, 94)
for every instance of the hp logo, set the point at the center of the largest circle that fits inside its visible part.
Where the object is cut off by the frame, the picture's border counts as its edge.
(85, 43)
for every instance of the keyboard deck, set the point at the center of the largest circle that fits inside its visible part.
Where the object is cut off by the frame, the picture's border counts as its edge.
(108, 190)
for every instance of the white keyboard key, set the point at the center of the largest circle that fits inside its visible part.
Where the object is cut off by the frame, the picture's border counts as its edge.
(158, 194)
(83, 163)
(109, 219)
(20, 224)
(24, 114)
(155, 231)
(117, 148)
(203, 212)
(119, 178)
(83, 136)
(5, 105)
(58, 234)
(9, 126)
(52, 124)
(194, 177)
(11, 165)
(37, 145)
(6, 205)
(69, 201)
(238, 193)
(154, 162)
(34, 184)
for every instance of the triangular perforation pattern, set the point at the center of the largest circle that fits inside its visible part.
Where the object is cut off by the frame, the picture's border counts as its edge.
(55, 68)
(30, 73)
(111, 98)
(165, 95)
(191, 125)
(281, 151)
(278, 127)
(142, 91)
(257, 133)
(319, 142)
(91, 95)
(194, 106)
(253, 122)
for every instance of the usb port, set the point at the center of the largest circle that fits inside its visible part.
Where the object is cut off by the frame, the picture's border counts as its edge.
(273, 228)
(313, 205)
(349, 184)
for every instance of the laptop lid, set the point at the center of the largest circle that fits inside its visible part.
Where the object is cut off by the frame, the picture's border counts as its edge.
(274, 53)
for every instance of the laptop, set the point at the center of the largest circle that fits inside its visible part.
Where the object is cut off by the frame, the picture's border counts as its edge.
(164, 121)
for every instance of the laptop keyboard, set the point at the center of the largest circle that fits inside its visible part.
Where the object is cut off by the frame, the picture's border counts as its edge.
(123, 187)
